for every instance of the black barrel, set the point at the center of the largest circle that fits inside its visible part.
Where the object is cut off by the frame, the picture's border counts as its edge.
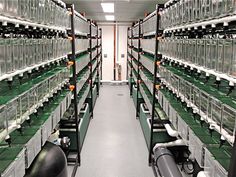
(50, 162)
(166, 163)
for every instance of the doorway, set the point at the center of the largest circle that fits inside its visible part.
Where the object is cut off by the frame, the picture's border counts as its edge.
(114, 51)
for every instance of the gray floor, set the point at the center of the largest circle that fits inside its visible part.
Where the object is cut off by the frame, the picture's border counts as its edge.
(114, 145)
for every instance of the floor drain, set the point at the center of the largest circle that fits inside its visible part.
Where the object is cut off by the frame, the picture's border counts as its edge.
(120, 94)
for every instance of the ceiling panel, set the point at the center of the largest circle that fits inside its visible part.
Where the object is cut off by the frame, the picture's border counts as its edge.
(125, 10)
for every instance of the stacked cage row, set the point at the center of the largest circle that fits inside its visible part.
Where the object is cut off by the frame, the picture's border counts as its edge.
(44, 12)
(215, 54)
(222, 114)
(190, 11)
(17, 110)
(19, 53)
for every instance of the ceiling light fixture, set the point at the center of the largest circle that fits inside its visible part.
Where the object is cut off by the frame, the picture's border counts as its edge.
(108, 7)
(110, 17)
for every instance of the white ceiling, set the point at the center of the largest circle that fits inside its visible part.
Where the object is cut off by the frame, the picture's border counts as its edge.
(125, 10)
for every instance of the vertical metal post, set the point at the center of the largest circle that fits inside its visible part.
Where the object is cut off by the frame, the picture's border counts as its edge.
(131, 59)
(97, 59)
(158, 7)
(74, 80)
(114, 64)
(232, 169)
(91, 65)
(101, 54)
(139, 78)
(127, 73)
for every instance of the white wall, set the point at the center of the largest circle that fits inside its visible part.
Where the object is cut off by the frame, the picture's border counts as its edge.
(108, 48)
(122, 49)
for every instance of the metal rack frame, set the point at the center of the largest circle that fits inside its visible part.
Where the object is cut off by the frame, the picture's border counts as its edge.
(98, 62)
(131, 59)
(158, 8)
(157, 57)
(138, 79)
(72, 34)
(101, 61)
(157, 77)
(72, 57)
(90, 65)
(76, 161)
(127, 43)
(222, 24)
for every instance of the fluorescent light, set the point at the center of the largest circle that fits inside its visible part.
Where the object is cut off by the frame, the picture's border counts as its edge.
(110, 17)
(108, 7)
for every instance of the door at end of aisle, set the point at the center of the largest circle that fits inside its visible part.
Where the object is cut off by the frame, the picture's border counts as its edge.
(114, 52)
